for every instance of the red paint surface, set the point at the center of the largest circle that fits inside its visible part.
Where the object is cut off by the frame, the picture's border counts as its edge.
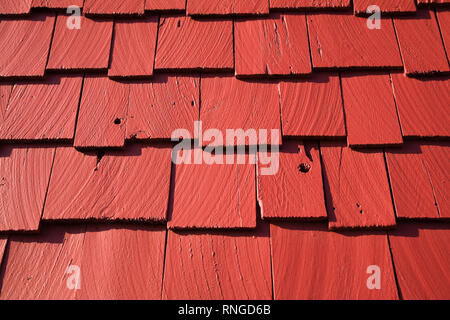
(81, 49)
(227, 7)
(185, 43)
(25, 45)
(443, 18)
(160, 107)
(133, 52)
(370, 110)
(122, 263)
(123, 185)
(329, 265)
(229, 103)
(3, 242)
(296, 189)
(410, 182)
(213, 196)
(41, 110)
(102, 115)
(15, 7)
(56, 4)
(386, 6)
(113, 7)
(228, 265)
(165, 5)
(356, 188)
(277, 45)
(420, 254)
(309, 4)
(312, 107)
(423, 105)
(433, 2)
(24, 177)
(36, 266)
(421, 44)
(344, 41)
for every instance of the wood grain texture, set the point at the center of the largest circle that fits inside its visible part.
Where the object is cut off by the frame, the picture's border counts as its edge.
(227, 7)
(185, 43)
(103, 112)
(410, 182)
(133, 52)
(3, 243)
(312, 107)
(421, 257)
(24, 177)
(277, 45)
(213, 196)
(41, 110)
(386, 6)
(230, 103)
(123, 185)
(87, 48)
(310, 262)
(370, 111)
(437, 159)
(122, 263)
(309, 4)
(113, 7)
(344, 41)
(356, 188)
(36, 266)
(423, 105)
(443, 19)
(228, 265)
(56, 4)
(159, 107)
(296, 190)
(25, 45)
(421, 44)
(165, 5)
(16, 7)
(433, 2)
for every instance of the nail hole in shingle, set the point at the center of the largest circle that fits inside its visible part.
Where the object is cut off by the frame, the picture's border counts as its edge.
(192, 103)
(358, 205)
(179, 23)
(360, 211)
(117, 121)
(304, 167)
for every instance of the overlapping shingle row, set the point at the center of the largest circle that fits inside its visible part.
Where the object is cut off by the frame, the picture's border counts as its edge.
(87, 115)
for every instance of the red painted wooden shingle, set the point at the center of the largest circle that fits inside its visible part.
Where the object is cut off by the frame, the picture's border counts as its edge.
(212, 196)
(423, 105)
(410, 182)
(159, 107)
(356, 188)
(277, 45)
(56, 4)
(24, 177)
(43, 266)
(25, 45)
(310, 262)
(443, 17)
(41, 110)
(114, 7)
(227, 7)
(228, 265)
(232, 104)
(421, 44)
(185, 43)
(122, 263)
(122, 185)
(345, 41)
(370, 111)
(15, 7)
(165, 5)
(312, 107)
(296, 189)
(3, 242)
(87, 48)
(437, 159)
(432, 2)
(309, 4)
(421, 259)
(102, 115)
(386, 6)
(133, 52)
